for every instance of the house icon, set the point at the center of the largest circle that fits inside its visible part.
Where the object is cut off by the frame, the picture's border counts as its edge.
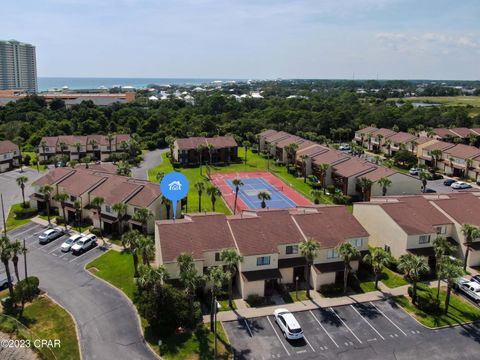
(175, 186)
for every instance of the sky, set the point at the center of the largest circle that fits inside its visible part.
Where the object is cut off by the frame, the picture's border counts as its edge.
(250, 39)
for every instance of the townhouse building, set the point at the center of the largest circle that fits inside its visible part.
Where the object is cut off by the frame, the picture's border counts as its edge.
(75, 147)
(10, 156)
(268, 240)
(83, 185)
(218, 149)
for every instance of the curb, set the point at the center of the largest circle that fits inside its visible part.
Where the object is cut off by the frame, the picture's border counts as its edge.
(139, 320)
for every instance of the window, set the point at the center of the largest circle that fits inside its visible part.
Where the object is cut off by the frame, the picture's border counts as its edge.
(332, 254)
(441, 230)
(291, 249)
(263, 260)
(4, 156)
(357, 242)
(73, 198)
(387, 248)
(217, 256)
(424, 239)
(108, 209)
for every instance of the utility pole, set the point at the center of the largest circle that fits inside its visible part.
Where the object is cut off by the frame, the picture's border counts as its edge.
(215, 328)
(25, 259)
(4, 220)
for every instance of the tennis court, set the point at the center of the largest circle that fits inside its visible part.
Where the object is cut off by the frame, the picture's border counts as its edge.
(282, 195)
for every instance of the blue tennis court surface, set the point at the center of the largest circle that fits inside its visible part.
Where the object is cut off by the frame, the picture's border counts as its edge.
(252, 186)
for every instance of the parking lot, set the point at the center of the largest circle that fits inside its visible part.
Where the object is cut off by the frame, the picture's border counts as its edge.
(374, 330)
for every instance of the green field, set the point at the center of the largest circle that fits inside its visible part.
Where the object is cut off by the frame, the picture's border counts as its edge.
(255, 162)
(449, 101)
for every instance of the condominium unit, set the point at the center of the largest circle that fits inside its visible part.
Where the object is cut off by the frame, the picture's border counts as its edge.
(9, 155)
(75, 147)
(268, 240)
(18, 66)
(218, 149)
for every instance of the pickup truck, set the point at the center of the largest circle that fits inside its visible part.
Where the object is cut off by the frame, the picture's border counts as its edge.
(469, 288)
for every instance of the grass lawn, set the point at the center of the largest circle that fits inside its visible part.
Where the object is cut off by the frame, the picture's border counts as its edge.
(12, 221)
(459, 311)
(450, 101)
(255, 162)
(117, 269)
(392, 279)
(291, 296)
(33, 157)
(225, 306)
(47, 320)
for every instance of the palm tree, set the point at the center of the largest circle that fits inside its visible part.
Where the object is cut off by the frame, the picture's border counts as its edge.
(323, 169)
(110, 137)
(16, 249)
(413, 143)
(167, 204)
(159, 176)
(143, 215)
(316, 194)
(366, 186)
(237, 183)
(388, 143)
(170, 140)
(470, 232)
(146, 246)
(210, 149)
(214, 192)
(121, 210)
(246, 144)
(21, 181)
(436, 155)
(63, 147)
(149, 276)
(78, 213)
(377, 259)
(424, 176)
(43, 145)
(291, 150)
(124, 168)
(413, 266)
(347, 252)
(93, 143)
(268, 149)
(46, 191)
(450, 271)
(200, 149)
(62, 198)
(78, 147)
(97, 203)
(442, 247)
(5, 257)
(200, 186)
(264, 196)
(189, 277)
(309, 250)
(385, 183)
(231, 260)
(216, 276)
(130, 242)
(304, 158)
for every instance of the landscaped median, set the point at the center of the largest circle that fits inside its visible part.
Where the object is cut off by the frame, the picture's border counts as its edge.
(117, 269)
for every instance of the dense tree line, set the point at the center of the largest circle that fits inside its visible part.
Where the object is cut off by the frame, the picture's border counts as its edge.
(324, 114)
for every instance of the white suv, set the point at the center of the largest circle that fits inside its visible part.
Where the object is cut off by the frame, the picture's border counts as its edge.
(84, 244)
(472, 289)
(288, 324)
(67, 245)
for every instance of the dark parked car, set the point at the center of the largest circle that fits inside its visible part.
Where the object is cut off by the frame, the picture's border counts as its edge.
(429, 191)
(448, 182)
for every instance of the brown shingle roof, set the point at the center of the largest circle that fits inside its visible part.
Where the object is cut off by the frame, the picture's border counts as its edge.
(402, 137)
(6, 146)
(353, 167)
(148, 193)
(280, 135)
(292, 139)
(115, 190)
(80, 182)
(312, 150)
(50, 140)
(386, 133)
(439, 145)
(423, 139)
(462, 132)
(222, 141)
(463, 207)
(53, 176)
(330, 157)
(463, 151)
(379, 172)
(442, 132)
(267, 132)
(367, 130)
(218, 142)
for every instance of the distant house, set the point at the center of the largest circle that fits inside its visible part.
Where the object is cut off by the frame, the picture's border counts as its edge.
(218, 149)
(9, 155)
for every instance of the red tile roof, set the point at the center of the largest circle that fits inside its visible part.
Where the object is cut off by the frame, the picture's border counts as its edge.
(463, 151)
(6, 146)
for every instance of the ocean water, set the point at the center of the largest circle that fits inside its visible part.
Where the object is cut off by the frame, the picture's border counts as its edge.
(45, 83)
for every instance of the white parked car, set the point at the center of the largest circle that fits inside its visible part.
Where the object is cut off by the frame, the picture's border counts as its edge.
(84, 244)
(288, 324)
(413, 171)
(50, 235)
(67, 245)
(471, 289)
(460, 185)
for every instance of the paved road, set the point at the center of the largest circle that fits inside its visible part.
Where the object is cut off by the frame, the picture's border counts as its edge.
(375, 330)
(150, 159)
(10, 190)
(107, 321)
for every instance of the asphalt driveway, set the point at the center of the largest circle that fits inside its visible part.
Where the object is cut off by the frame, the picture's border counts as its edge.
(11, 191)
(107, 322)
(150, 159)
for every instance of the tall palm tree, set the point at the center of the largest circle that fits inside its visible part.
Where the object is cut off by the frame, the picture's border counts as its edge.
(231, 259)
(189, 277)
(442, 247)
(149, 277)
(131, 242)
(110, 137)
(121, 210)
(436, 155)
(470, 232)
(264, 196)
(237, 183)
(200, 149)
(450, 271)
(366, 187)
(347, 252)
(216, 277)
(210, 149)
(168, 204)
(388, 143)
(323, 169)
(309, 250)
(143, 215)
(316, 194)
(385, 183)
(424, 176)
(268, 149)
(413, 266)
(21, 181)
(62, 198)
(304, 158)
(78, 213)
(377, 259)
(16, 249)
(200, 186)
(43, 145)
(93, 143)
(124, 168)
(147, 248)
(291, 150)
(63, 147)
(46, 191)
(78, 147)
(214, 193)
(413, 143)
(5, 257)
(170, 140)
(97, 203)
(246, 144)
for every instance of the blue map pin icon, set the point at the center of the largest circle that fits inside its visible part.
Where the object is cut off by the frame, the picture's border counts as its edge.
(174, 187)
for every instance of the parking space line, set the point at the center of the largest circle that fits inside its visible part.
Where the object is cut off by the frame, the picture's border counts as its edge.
(79, 256)
(308, 342)
(47, 247)
(22, 232)
(279, 339)
(343, 322)
(326, 332)
(386, 317)
(353, 307)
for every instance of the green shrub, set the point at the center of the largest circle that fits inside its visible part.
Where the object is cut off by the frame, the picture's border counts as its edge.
(59, 220)
(26, 160)
(331, 290)
(95, 231)
(342, 199)
(25, 213)
(255, 300)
